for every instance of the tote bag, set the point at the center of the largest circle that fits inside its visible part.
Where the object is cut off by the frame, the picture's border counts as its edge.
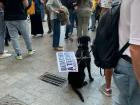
(31, 9)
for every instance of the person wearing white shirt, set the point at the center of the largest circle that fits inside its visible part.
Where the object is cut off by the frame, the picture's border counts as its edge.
(127, 72)
(54, 7)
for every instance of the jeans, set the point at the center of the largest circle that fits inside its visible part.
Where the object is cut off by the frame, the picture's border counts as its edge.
(2, 32)
(56, 32)
(22, 27)
(127, 84)
(42, 12)
(62, 35)
(93, 20)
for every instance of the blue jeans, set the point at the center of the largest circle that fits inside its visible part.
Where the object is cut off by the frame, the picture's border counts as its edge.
(56, 32)
(93, 20)
(22, 27)
(2, 32)
(42, 12)
(127, 84)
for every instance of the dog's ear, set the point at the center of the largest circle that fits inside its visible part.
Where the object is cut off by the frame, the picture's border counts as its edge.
(89, 39)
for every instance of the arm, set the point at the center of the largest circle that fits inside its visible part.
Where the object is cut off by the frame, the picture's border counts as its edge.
(135, 54)
(25, 3)
(51, 7)
(135, 38)
(1, 5)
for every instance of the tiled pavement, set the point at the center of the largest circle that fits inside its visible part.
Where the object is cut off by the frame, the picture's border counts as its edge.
(20, 79)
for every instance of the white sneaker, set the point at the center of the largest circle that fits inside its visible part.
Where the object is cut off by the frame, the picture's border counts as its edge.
(4, 55)
(38, 35)
(31, 52)
(5, 51)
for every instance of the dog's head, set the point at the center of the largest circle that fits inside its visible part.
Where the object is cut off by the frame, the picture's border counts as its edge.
(83, 41)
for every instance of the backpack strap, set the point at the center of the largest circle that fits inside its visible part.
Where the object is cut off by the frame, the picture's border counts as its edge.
(124, 48)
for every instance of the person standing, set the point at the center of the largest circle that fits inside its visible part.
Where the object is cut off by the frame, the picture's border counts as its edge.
(84, 11)
(16, 20)
(55, 7)
(36, 20)
(48, 18)
(93, 17)
(3, 54)
(127, 73)
(70, 4)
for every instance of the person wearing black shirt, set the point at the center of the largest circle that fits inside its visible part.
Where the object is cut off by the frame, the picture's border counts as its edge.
(70, 4)
(36, 20)
(15, 18)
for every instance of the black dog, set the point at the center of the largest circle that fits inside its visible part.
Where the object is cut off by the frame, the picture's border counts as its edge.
(77, 79)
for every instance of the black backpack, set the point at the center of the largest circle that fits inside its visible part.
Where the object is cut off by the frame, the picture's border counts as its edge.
(105, 47)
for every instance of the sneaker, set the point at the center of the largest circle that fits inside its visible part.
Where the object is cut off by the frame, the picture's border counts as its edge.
(31, 52)
(4, 55)
(106, 92)
(61, 47)
(58, 49)
(38, 35)
(5, 51)
(19, 57)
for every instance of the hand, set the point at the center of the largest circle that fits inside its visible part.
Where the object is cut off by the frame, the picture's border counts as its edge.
(76, 7)
(1, 5)
(56, 11)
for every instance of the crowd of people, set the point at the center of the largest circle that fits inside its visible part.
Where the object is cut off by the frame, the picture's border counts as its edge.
(13, 21)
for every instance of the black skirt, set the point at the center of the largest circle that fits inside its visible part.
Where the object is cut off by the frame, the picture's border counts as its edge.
(36, 24)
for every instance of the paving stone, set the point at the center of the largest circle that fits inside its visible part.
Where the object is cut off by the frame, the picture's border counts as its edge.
(10, 100)
(21, 80)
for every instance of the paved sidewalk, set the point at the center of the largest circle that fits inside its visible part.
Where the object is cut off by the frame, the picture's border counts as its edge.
(20, 78)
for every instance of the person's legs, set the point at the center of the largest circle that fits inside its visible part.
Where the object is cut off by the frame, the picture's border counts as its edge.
(108, 77)
(69, 27)
(36, 25)
(2, 32)
(106, 88)
(49, 23)
(127, 84)
(3, 54)
(24, 30)
(42, 12)
(62, 35)
(13, 31)
(93, 21)
(67, 31)
(80, 25)
(85, 25)
(56, 33)
(71, 18)
(48, 20)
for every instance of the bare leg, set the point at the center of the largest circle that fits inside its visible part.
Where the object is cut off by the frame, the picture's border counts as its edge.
(108, 76)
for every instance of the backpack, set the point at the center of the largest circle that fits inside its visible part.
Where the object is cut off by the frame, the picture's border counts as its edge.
(105, 47)
(63, 16)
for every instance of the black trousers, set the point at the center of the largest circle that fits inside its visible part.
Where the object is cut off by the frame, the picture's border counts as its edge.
(36, 24)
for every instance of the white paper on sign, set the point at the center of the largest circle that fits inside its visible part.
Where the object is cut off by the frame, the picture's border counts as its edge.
(67, 62)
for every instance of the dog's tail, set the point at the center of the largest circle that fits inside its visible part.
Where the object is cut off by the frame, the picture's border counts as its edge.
(78, 93)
